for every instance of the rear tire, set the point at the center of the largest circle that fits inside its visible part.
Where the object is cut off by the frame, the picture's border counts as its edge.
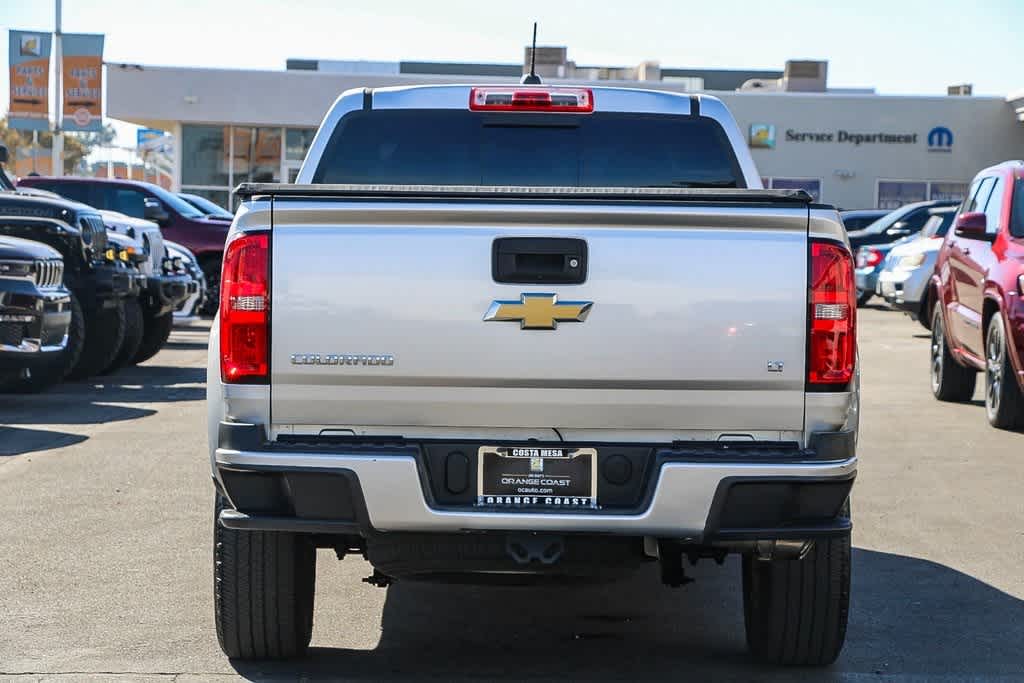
(53, 370)
(104, 335)
(1004, 404)
(264, 583)
(133, 332)
(950, 380)
(211, 271)
(924, 316)
(796, 611)
(154, 336)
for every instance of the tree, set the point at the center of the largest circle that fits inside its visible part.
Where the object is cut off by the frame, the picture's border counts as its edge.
(77, 146)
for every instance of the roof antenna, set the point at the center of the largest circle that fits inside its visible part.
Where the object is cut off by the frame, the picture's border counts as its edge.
(532, 78)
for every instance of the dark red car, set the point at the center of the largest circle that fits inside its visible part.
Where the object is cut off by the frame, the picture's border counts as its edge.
(179, 221)
(979, 280)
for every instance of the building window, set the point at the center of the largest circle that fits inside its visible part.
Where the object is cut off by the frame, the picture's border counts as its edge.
(204, 155)
(944, 190)
(297, 142)
(892, 194)
(810, 185)
(256, 155)
(215, 159)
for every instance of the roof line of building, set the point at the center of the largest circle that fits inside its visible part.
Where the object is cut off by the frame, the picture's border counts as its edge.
(647, 85)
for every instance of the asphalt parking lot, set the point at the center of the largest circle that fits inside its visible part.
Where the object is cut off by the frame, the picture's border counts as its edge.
(105, 555)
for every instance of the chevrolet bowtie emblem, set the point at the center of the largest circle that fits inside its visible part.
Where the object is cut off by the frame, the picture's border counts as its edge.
(539, 311)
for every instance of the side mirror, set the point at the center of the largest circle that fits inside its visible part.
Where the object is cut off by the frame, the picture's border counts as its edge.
(898, 229)
(971, 224)
(154, 211)
(4, 154)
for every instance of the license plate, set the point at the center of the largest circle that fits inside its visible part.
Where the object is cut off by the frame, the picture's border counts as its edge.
(527, 476)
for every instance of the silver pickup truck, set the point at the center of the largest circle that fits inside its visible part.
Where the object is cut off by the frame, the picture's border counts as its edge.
(520, 333)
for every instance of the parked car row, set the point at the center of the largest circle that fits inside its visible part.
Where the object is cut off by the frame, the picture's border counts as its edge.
(958, 269)
(896, 228)
(201, 233)
(907, 270)
(83, 291)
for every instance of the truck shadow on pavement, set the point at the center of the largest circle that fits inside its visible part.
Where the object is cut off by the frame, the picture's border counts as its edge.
(81, 402)
(65, 409)
(18, 440)
(97, 400)
(909, 617)
(186, 345)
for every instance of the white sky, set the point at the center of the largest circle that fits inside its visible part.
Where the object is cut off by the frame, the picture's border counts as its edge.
(895, 46)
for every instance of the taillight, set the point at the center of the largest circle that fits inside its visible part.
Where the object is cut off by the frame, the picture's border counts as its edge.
(832, 344)
(868, 257)
(245, 311)
(525, 98)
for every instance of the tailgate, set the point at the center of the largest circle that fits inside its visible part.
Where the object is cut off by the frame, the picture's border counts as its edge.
(697, 317)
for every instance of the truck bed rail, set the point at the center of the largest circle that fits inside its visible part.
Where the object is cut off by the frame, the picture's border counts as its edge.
(518, 192)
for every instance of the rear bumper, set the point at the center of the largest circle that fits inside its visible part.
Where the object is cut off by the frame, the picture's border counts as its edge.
(33, 324)
(696, 501)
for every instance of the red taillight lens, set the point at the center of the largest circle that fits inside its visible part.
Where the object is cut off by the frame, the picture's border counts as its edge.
(245, 311)
(868, 258)
(832, 348)
(525, 98)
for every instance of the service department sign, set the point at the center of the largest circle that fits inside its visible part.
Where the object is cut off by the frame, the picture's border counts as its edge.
(938, 139)
(855, 138)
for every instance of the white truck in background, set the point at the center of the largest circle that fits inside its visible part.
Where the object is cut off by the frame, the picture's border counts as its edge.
(519, 332)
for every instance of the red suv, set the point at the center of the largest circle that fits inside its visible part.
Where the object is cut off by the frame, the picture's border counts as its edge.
(979, 280)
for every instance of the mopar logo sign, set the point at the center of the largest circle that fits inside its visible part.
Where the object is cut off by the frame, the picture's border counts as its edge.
(940, 139)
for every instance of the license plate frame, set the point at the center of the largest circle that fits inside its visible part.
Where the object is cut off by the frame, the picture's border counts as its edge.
(552, 478)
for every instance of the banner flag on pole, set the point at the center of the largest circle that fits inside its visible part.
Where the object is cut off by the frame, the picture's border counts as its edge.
(29, 59)
(82, 74)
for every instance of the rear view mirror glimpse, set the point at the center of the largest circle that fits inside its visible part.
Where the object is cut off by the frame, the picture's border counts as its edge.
(971, 224)
(155, 211)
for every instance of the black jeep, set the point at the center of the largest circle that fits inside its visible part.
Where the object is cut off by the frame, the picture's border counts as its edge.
(98, 285)
(35, 308)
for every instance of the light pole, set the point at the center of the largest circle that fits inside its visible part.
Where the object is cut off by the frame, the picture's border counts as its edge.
(58, 135)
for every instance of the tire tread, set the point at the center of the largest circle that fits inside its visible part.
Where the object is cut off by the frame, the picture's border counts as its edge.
(133, 331)
(1011, 400)
(796, 611)
(104, 335)
(957, 382)
(263, 592)
(155, 332)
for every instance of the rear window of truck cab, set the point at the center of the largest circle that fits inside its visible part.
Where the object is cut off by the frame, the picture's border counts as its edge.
(453, 147)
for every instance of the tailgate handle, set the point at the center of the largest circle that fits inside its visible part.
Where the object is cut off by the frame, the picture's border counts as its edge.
(536, 260)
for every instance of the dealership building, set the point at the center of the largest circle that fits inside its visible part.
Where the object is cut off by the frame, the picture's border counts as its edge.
(848, 147)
